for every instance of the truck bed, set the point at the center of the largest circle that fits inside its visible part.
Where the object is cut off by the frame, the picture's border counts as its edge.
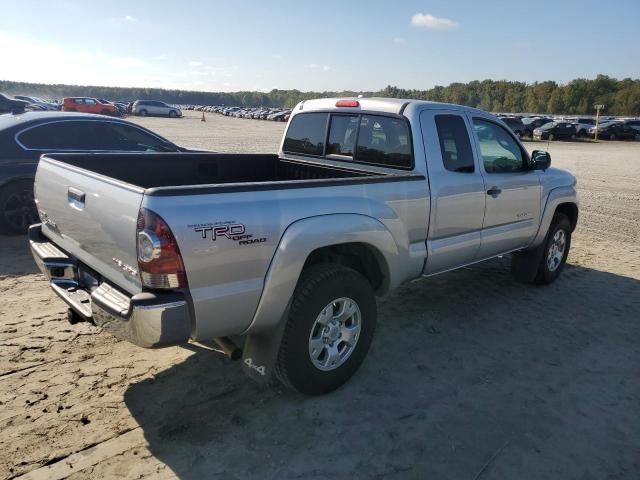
(149, 171)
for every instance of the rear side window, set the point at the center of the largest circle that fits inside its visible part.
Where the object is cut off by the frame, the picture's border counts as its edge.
(454, 144)
(383, 141)
(91, 136)
(306, 134)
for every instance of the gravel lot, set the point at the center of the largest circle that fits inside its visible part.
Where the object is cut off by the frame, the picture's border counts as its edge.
(470, 374)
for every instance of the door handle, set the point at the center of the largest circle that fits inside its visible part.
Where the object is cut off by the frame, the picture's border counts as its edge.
(76, 198)
(494, 191)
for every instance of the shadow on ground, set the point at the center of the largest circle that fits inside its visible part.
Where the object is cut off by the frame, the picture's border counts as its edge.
(467, 371)
(15, 256)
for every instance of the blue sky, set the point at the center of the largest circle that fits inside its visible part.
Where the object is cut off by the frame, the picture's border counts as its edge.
(327, 45)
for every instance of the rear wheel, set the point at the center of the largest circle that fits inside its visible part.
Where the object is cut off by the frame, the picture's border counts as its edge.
(173, 114)
(552, 136)
(143, 113)
(17, 207)
(612, 136)
(329, 329)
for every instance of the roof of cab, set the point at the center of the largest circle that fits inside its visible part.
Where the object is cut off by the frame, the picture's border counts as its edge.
(378, 104)
(8, 120)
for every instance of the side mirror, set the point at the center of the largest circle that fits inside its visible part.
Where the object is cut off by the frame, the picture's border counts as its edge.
(540, 160)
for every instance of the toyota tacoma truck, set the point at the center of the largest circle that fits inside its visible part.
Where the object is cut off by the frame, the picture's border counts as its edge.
(285, 254)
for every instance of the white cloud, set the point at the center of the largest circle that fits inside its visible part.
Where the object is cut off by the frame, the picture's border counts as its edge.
(129, 18)
(276, 56)
(127, 62)
(426, 20)
(326, 68)
(398, 40)
(195, 64)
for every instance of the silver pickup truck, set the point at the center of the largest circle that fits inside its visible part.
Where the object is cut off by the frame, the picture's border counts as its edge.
(290, 251)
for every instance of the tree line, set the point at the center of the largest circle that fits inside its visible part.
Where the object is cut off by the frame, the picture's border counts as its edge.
(621, 97)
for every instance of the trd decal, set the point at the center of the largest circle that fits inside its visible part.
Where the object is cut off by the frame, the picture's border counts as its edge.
(230, 230)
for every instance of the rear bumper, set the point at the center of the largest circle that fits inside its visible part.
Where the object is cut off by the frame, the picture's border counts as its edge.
(146, 319)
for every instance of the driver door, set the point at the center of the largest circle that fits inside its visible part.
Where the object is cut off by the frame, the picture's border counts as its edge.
(512, 190)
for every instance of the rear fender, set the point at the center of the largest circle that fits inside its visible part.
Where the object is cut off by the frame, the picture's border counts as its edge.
(264, 335)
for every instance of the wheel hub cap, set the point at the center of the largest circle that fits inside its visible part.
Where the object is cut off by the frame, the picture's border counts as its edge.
(556, 250)
(334, 334)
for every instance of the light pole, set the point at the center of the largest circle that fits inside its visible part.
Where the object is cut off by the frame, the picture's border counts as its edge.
(598, 108)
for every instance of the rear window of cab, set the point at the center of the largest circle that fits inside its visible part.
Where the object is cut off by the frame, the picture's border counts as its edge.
(358, 138)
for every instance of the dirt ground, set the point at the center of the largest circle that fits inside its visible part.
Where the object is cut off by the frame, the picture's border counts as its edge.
(470, 375)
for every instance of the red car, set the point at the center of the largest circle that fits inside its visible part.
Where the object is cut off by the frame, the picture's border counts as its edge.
(88, 105)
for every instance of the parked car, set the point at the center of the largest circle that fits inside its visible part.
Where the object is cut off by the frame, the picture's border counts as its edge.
(11, 105)
(290, 250)
(38, 102)
(155, 108)
(614, 131)
(635, 124)
(583, 125)
(26, 136)
(555, 131)
(533, 123)
(517, 127)
(88, 105)
(121, 110)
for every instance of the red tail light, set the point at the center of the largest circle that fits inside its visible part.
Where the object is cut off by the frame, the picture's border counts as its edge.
(159, 259)
(347, 103)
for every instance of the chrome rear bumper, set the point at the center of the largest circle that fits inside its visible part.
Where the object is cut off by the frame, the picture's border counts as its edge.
(145, 319)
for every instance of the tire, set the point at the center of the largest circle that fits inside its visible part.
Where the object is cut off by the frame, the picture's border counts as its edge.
(612, 136)
(548, 270)
(320, 289)
(17, 208)
(143, 113)
(551, 137)
(173, 114)
(105, 112)
(573, 137)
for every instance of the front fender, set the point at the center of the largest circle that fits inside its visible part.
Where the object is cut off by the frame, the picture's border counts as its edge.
(557, 196)
(303, 237)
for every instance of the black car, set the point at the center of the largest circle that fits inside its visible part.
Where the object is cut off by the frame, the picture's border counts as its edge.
(555, 131)
(26, 136)
(615, 131)
(517, 127)
(11, 105)
(536, 123)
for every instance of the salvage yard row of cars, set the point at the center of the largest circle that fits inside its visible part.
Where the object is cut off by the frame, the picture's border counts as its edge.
(277, 114)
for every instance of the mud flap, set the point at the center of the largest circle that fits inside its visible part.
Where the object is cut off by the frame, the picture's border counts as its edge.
(525, 265)
(260, 352)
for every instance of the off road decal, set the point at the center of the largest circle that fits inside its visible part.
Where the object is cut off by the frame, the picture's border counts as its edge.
(236, 232)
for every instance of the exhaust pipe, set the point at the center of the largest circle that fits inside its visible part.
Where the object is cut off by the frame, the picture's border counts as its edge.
(228, 347)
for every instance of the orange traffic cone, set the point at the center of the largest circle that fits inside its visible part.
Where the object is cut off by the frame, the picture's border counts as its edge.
(203, 119)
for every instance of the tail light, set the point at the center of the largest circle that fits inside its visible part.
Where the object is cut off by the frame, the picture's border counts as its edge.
(159, 260)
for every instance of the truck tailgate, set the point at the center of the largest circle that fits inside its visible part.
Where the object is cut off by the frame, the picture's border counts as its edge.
(93, 218)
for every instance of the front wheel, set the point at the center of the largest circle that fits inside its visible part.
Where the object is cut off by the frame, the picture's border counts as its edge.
(329, 329)
(556, 250)
(551, 136)
(143, 113)
(173, 114)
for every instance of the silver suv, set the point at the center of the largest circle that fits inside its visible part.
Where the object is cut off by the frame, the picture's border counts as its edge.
(155, 108)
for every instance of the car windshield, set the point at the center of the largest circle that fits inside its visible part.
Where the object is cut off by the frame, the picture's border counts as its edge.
(549, 125)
